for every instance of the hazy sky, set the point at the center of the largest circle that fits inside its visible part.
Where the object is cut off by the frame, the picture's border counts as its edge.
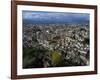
(40, 16)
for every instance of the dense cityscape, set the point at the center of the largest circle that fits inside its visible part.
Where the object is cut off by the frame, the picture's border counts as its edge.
(55, 45)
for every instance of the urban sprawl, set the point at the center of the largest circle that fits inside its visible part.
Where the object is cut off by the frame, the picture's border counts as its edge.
(55, 45)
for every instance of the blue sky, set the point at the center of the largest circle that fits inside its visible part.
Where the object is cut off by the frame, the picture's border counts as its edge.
(54, 17)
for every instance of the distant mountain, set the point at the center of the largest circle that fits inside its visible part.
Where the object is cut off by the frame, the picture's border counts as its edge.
(53, 22)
